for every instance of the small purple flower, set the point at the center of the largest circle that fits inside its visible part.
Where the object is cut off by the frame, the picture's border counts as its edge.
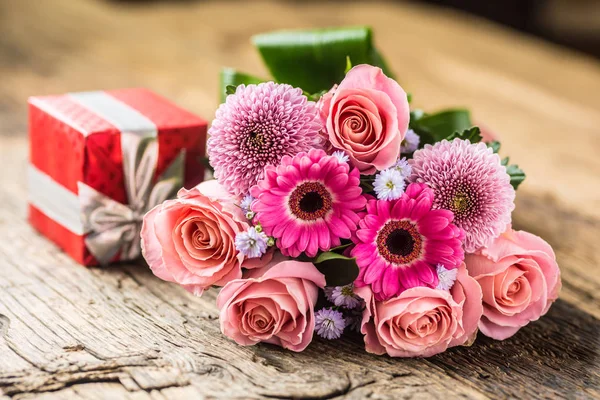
(343, 296)
(328, 292)
(246, 203)
(252, 243)
(410, 143)
(446, 277)
(329, 323)
(403, 167)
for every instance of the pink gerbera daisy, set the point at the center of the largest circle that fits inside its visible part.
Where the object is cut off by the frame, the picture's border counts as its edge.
(469, 180)
(256, 127)
(308, 202)
(399, 243)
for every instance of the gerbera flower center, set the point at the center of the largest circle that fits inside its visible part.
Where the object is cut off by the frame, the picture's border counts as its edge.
(310, 201)
(399, 242)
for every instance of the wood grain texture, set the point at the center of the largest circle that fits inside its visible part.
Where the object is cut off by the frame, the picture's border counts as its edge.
(120, 333)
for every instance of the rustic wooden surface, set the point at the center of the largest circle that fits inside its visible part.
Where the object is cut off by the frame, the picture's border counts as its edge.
(71, 332)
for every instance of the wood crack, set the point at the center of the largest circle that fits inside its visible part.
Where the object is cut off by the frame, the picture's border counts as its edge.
(123, 371)
(4, 325)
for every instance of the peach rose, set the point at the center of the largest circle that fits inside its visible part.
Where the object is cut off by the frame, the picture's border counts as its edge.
(274, 304)
(520, 279)
(367, 117)
(422, 321)
(190, 240)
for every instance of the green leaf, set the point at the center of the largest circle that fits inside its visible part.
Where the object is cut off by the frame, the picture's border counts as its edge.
(330, 255)
(409, 97)
(517, 175)
(232, 78)
(314, 96)
(339, 270)
(341, 247)
(348, 65)
(472, 134)
(435, 127)
(495, 146)
(315, 60)
(366, 183)
(230, 89)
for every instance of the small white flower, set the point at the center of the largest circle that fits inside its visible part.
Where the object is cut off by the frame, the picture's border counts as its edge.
(389, 184)
(446, 277)
(252, 243)
(246, 203)
(404, 167)
(341, 156)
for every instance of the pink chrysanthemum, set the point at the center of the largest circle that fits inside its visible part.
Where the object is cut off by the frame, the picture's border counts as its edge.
(256, 127)
(399, 243)
(469, 180)
(308, 202)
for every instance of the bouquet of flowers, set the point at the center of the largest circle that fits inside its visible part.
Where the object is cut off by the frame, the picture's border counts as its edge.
(337, 208)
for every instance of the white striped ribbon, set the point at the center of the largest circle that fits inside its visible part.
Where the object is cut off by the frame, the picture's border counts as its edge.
(56, 201)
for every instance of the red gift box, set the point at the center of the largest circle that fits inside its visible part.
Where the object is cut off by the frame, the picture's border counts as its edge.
(99, 160)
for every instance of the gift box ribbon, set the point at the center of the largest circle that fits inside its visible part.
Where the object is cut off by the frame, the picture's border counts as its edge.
(110, 226)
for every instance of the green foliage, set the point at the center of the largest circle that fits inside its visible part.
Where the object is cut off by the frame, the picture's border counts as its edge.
(231, 78)
(314, 96)
(366, 183)
(495, 146)
(338, 269)
(348, 65)
(517, 175)
(315, 60)
(230, 89)
(341, 247)
(438, 126)
(473, 135)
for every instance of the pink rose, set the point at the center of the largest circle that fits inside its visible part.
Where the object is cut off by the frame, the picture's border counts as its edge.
(274, 305)
(422, 321)
(520, 279)
(191, 240)
(367, 117)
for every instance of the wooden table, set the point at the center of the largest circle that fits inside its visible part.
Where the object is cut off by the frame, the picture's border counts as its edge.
(71, 332)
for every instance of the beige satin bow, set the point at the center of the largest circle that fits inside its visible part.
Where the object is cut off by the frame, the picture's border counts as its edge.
(115, 227)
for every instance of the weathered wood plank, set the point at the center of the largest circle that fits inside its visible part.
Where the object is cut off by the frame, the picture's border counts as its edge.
(71, 332)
